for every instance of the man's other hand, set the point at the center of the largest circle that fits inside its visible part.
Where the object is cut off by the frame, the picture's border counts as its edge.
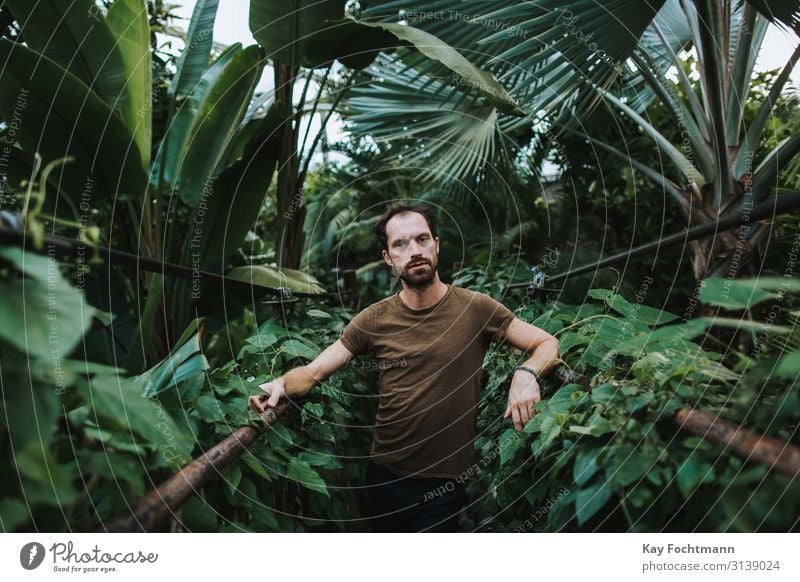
(524, 393)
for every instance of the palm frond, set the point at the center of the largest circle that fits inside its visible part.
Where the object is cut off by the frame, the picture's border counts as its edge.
(661, 42)
(422, 124)
(787, 12)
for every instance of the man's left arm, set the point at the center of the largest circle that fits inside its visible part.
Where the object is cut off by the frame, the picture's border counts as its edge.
(524, 391)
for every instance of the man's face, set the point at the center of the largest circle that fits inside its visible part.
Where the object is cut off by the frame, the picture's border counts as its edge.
(412, 249)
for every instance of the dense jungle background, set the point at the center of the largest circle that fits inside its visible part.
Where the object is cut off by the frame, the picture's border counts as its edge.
(546, 134)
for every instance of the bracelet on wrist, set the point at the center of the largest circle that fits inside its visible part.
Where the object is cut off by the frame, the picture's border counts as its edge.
(529, 370)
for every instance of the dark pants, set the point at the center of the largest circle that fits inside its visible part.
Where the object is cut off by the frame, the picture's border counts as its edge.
(403, 504)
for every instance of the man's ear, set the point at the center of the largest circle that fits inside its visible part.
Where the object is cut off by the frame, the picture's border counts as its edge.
(386, 258)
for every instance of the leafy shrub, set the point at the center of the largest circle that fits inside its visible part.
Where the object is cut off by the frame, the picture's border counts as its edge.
(611, 459)
(614, 459)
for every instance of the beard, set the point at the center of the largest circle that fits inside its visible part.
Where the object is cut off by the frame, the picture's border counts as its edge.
(422, 277)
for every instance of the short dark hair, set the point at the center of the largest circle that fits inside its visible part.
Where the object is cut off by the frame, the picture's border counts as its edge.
(395, 209)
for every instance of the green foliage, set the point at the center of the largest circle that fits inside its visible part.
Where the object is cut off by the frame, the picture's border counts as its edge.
(613, 458)
(643, 128)
(298, 469)
(39, 290)
(100, 437)
(82, 86)
(83, 441)
(71, 431)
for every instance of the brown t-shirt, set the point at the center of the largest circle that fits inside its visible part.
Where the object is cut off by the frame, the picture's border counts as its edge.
(429, 373)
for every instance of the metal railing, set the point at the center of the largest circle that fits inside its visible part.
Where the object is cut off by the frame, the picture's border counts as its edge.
(164, 500)
(72, 248)
(772, 208)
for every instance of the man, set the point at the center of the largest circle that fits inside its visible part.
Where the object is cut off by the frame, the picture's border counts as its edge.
(430, 340)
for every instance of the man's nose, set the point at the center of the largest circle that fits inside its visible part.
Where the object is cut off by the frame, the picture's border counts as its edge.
(415, 249)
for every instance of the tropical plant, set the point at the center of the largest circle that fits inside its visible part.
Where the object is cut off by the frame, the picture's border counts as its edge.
(84, 442)
(614, 458)
(73, 433)
(561, 60)
(86, 77)
(318, 35)
(192, 197)
(608, 460)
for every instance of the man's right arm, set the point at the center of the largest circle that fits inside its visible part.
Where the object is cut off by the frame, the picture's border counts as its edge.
(299, 381)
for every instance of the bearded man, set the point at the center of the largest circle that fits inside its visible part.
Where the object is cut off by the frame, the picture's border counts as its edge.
(430, 340)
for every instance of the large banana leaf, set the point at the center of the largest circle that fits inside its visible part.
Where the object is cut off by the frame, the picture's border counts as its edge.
(75, 35)
(254, 129)
(193, 61)
(283, 26)
(201, 133)
(170, 152)
(129, 23)
(238, 193)
(62, 117)
(110, 55)
(272, 277)
(184, 361)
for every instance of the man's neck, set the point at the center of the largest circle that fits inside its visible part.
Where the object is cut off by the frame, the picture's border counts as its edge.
(422, 298)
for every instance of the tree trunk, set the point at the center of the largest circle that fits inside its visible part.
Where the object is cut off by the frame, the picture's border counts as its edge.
(725, 253)
(289, 236)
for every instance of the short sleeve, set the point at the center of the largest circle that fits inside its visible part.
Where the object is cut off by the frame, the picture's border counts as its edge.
(357, 335)
(497, 317)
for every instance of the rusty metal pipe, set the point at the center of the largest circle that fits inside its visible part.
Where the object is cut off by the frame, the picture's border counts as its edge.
(775, 454)
(162, 501)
